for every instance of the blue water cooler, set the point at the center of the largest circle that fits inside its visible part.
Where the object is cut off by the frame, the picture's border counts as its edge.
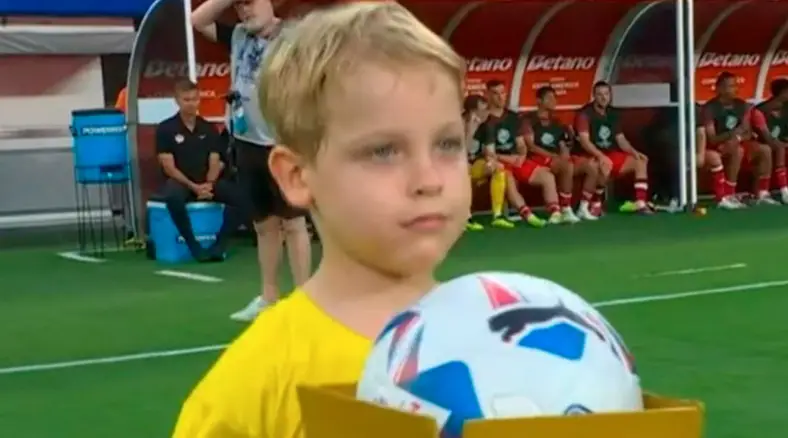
(102, 179)
(168, 246)
(100, 146)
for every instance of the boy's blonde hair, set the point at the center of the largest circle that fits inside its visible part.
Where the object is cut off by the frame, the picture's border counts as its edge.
(314, 52)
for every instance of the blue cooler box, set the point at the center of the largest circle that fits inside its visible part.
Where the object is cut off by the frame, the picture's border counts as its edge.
(206, 219)
(100, 146)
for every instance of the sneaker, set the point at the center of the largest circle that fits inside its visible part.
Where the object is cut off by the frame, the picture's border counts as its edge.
(250, 312)
(730, 203)
(585, 214)
(765, 198)
(555, 218)
(568, 216)
(535, 221)
(473, 226)
(501, 222)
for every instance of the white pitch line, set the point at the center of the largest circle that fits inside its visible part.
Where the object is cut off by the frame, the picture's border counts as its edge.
(189, 276)
(111, 359)
(692, 271)
(74, 255)
(690, 294)
(216, 347)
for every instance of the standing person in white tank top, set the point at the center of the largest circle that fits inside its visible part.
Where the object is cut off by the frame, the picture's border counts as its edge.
(274, 219)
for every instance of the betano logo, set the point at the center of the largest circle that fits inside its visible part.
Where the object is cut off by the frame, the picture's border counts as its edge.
(729, 60)
(480, 65)
(560, 63)
(170, 69)
(780, 58)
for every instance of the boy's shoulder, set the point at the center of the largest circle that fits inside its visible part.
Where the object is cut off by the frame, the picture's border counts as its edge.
(239, 387)
(252, 385)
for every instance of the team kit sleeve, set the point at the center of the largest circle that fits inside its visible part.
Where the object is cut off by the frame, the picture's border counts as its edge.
(581, 123)
(164, 140)
(758, 122)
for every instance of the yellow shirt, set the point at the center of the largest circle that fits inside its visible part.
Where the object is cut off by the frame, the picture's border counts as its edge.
(251, 390)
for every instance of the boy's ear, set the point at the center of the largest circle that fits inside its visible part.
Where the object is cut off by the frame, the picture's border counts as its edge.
(287, 169)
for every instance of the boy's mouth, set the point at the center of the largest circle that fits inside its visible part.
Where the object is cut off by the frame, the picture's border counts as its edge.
(426, 222)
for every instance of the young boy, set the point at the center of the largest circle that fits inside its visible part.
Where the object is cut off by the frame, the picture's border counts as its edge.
(368, 103)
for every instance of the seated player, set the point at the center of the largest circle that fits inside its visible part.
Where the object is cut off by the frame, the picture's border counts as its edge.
(475, 113)
(548, 140)
(770, 126)
(366, 103)
(599, 134)
(504, 143)
(189, 150)
(727, 120)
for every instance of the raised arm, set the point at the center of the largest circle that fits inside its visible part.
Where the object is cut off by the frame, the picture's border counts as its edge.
(205, 17)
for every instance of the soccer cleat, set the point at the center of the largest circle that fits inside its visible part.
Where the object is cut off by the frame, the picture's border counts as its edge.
(784, 195)
(568, 216)
(501, 222)
(473, 226)
(628, 207)
(535, 221)
(555, 218)
(250, 312)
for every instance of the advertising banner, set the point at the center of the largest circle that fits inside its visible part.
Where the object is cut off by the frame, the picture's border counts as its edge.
(491, 38)
(567, 51)
(739, 47)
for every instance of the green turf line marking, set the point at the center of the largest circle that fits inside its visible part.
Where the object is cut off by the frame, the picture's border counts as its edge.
(217, 347)
(74, 255)
(692, 271)
(189, 276)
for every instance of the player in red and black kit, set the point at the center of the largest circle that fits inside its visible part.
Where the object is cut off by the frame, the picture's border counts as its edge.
(504, 143)
(600, 137)
(727, 120)
(770, 126)
(548, 143)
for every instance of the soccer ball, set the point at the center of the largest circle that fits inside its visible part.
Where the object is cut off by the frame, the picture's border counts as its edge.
(500, 345)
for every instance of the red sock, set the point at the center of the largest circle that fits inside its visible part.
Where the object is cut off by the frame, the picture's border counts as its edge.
(587, 196)
(565, 200)
(780, 178)
(553, 208)
(730, 188)
(525, 212)
(764, 184)
(718, 183)
(641, 190)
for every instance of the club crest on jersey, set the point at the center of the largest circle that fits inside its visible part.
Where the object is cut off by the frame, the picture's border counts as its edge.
(548, 139)
(605, 136)
(731, 122)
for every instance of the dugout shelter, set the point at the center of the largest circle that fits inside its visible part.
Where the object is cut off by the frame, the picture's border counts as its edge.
(660, 56)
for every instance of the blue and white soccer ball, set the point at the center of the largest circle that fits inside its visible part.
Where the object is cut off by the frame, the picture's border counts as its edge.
(500, 345)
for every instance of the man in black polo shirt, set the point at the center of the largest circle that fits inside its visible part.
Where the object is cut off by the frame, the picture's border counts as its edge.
(189, 150)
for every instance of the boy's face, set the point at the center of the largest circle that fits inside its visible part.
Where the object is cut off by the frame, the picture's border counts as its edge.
(390, 185)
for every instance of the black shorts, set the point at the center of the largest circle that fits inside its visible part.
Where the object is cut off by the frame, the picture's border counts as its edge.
(256, 179)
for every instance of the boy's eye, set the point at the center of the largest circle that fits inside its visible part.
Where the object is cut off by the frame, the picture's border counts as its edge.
(382, 152)
(451, 145)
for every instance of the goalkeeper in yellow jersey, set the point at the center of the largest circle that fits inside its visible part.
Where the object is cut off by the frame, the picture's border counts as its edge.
(366, 106)
(502, 183)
